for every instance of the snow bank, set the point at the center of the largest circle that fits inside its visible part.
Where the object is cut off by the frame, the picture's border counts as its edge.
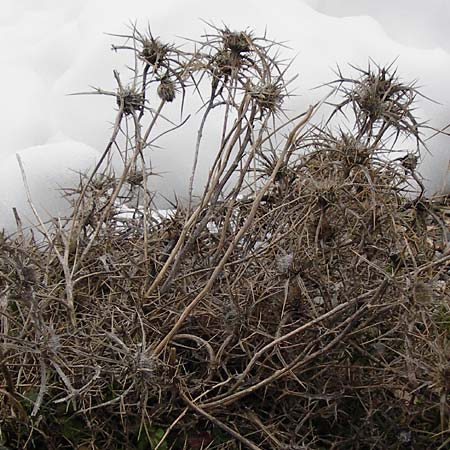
(50, 48)
(47, 168)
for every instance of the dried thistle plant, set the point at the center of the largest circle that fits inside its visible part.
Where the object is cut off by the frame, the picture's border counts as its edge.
(380, 101)
(293, 304)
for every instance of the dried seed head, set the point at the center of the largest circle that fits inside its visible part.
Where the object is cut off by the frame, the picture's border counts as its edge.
(380, 95)
(153, 52)
(223, 63)
(101, 182)
(410, 161)
(132, 100)
(325, 191)
(269, 96)
(166, 90)
(353, 151)
(135, 179)
(236, 42)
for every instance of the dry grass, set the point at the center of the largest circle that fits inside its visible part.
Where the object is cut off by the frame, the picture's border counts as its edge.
(300, 303)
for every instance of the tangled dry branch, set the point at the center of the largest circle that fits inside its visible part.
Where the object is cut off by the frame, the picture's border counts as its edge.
(300, 302)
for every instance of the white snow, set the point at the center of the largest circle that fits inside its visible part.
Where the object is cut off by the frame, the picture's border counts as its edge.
(50, 48)
(47, 168)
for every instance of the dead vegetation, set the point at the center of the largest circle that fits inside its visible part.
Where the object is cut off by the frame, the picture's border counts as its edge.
(300, 303)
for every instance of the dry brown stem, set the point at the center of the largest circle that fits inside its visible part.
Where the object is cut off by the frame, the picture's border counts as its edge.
(301, 301)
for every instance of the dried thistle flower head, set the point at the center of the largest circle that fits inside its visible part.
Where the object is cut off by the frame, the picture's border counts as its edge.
(132, 99)
(353, 150)
(166, 89)
(236, 41)
(379, 99)
(135, 179)
(224, 62)
(325, 191)
(269, 96)
(380, 95)
(410, 161)
(153, 51)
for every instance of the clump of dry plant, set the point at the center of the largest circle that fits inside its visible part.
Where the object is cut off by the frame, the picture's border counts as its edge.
(300, 302)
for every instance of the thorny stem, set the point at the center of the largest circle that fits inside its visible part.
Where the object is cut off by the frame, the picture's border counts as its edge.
(291, 139)
(116, 191)
(300, 360)
(276, 333)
